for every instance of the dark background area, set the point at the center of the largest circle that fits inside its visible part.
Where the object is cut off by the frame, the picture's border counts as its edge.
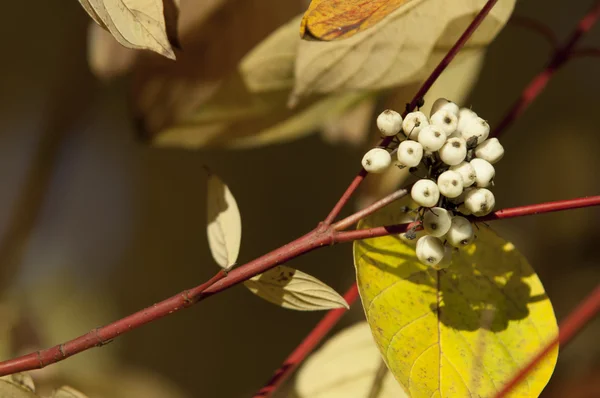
(120, 225)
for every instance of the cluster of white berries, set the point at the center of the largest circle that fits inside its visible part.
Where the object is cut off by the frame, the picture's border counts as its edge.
(453, 149)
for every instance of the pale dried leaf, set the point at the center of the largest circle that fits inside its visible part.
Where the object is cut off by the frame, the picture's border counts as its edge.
(22, 380)
(270, 65)
(352, 127)
(224, 228)
(394, 51)
(14, 386)
(346, 367)
(295, 290)
(68, 392)
(138, 24)
(106, 57)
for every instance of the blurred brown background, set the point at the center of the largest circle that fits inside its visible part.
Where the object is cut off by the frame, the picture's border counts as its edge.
(95, 225)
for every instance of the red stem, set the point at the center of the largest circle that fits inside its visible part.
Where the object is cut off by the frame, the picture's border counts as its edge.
(415, 101)
(307, 346)
(568, 329)
(539, 82)
(318, 238)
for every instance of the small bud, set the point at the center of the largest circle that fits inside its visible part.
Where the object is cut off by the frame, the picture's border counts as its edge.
(484, 172)
(432, 138)
(410, 153)
(466, 171)
(490, 150)
(453, 151)
(436, 222)
(425, 193)
(411, 237)
(465, 116)
(450, 184)
(460, 232)
(389, 122)
(413, 123)
(476, 128)
(376, 160)
(430, 250)
(480, 202)
(444, 104)
(445, 120)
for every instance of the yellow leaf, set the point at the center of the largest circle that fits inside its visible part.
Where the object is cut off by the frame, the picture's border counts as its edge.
(338, 19)
(295, 290)
(224, 228)
(347, 366)
(395, 50)
(67, 392)
(138, 24)
(16, 386)
(463, 330)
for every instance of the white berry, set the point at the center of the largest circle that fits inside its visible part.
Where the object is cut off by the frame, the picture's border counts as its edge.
(436, 221)
(450, 184)
(443, 103)
(480, 202)
(484, 172)
(465, 115)
(425, 193)
(476, 128)
(445, 120)
(377, 160)
(460, 232)
(389, 122)
(410, 153)
(453, 151)
(446, 260)
(432, 138)
(466, 171)
(413, 124)
(430, 250)
(490, 150)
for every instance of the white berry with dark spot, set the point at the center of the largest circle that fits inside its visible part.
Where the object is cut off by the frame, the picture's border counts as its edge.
(410, 153)
(466, 171)
(445, 120)
(444, 104)
(476, 129)
(432, 138)
(430, 250)
(454, 151)
(450, 184)
(377, 160)
(480, 202)
(425, 192)
(490, 150)
(389, 122)
(484, 172)
(413, 123)
(436, 221)
(460, 232)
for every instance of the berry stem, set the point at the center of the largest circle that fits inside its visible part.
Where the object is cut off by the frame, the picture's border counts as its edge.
(568, 329)
(413, 103)
(306, 346)
(538, 83)
(359, 215)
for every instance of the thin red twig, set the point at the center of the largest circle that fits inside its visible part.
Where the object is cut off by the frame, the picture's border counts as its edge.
(359, 215)
(307, 346)
(529, 23)
(318, 238)
(415, 101)
(568, 329)
(538, 83)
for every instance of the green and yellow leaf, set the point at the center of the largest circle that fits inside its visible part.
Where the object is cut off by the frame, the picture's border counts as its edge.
(459, 332)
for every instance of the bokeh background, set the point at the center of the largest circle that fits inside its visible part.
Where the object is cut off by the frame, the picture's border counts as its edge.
(95, 224)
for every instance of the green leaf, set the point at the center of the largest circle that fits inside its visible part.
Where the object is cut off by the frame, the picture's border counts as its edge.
(463, 330)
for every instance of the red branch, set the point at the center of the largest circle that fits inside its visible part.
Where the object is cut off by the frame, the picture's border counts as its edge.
(318, 238)
(539, 82)
(308, 345)
(568, 329)
(415, 101)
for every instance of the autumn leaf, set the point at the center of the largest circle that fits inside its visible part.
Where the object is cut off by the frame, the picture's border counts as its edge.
(347, 366)
(295, 290)
(395, 51)
(338, 19)
(137, 24)
(17, 386)
(458, 332)
(224, 229)
(67, 392)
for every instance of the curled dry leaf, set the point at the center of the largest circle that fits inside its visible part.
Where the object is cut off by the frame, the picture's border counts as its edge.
(295, 290)
(395, 51)
(224, 228)
(338, 19)
(347, 366)
(17, 386)
(67, 392)
(459, 332)
(138, 24)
